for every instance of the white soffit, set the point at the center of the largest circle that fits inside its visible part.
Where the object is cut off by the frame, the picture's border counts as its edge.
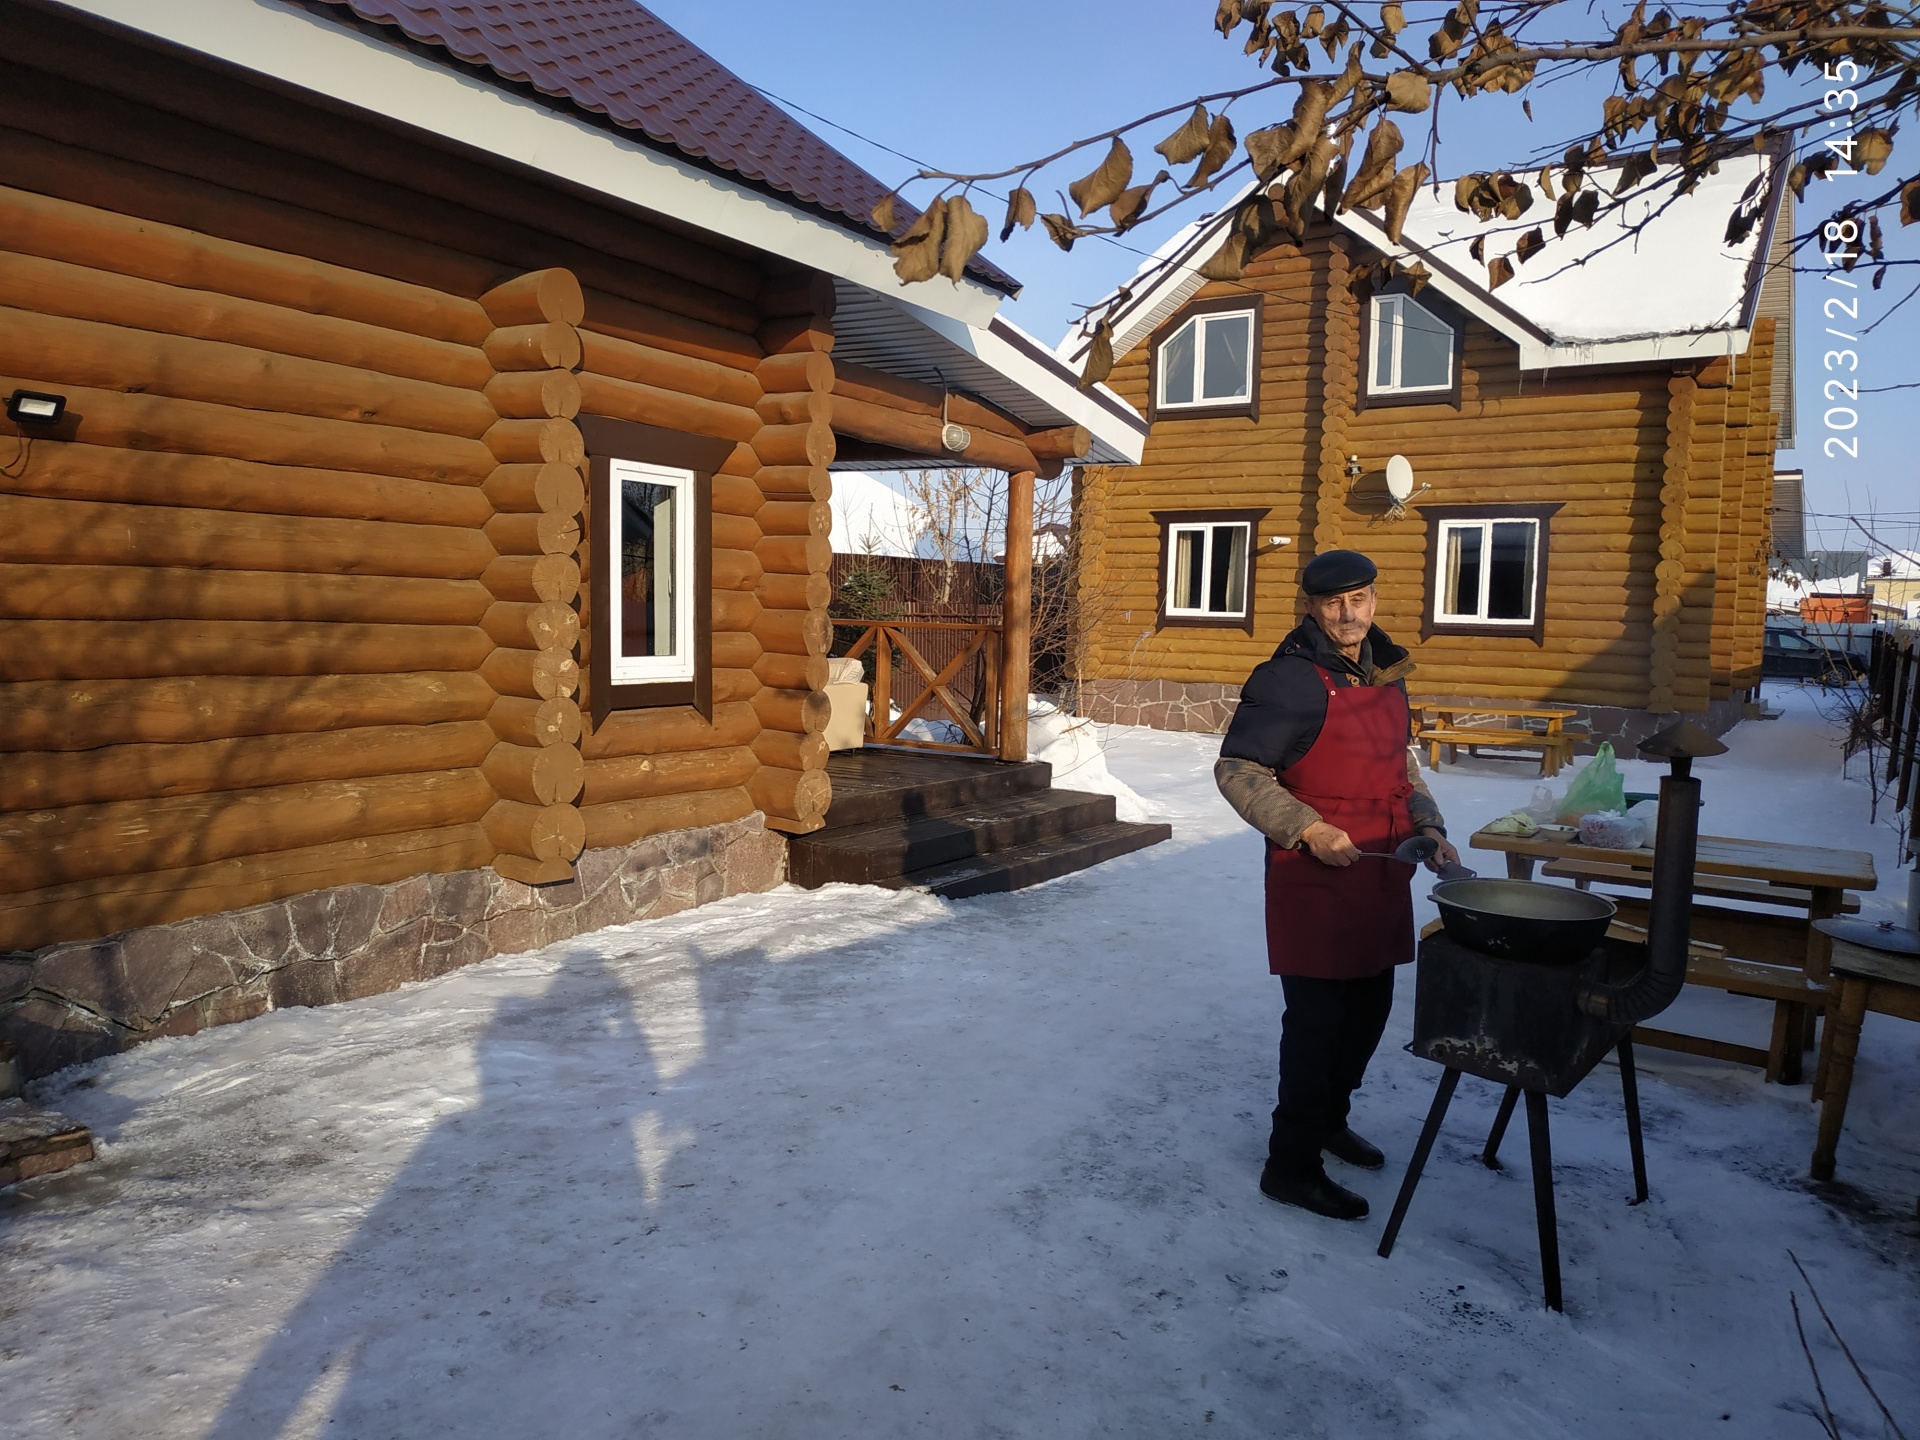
(290, 45)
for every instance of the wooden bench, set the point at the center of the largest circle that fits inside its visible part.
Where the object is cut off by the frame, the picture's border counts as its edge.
(1584, 873)
(1555, 750)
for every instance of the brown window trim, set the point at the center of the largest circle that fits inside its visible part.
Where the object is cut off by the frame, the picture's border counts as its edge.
(1535, 631)
(1167, 519)
(1254, 304)
(1442, 309)
(607, 440)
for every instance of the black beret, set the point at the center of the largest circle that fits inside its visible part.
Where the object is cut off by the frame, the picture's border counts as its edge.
(1337, 570)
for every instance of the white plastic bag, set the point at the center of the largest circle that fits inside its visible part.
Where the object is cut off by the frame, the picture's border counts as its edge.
(1608, 830)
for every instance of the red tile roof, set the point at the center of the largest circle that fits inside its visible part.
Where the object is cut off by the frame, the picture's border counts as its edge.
(619, 60)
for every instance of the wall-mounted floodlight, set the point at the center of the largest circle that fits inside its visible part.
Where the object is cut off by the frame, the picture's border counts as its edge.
(30, 407)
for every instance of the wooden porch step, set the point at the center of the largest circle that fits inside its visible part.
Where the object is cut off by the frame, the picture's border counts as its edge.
(874, 785)
(1023, 865)
(884, 850)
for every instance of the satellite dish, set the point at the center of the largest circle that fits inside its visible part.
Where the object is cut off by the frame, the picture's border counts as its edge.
(1399, 479)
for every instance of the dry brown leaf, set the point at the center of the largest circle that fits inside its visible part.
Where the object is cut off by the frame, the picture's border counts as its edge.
(1416, 276)
(1333, 37)
(1351, 76)
(1910, 202)
(1529, 245)
(1310, 25)
(1227, 16)
(1408, 91)
(1375, 175)
(1062, 231)
(1099, 355)
(1132, 202)
(916, 254)
(1499, 271)
(1563, 212)
(1515, 198)
(966, 232)
(1876, 242)
(1400, 198)
(883, 216)
(1871, 149)
(1392, 19)
(1477, 248)
(1020, 211)
(1585, 206)
(1545, 181)
(1267, 148)
(1638, 167)
(1189, 142)
(1221, 144)
(1336, 183)
(1307, 181)
(1463, 192)
(1229, 261)
(1101, 188)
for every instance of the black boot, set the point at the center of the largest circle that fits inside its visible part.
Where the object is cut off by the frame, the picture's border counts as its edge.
(1351, 1148)
(1313, 1192)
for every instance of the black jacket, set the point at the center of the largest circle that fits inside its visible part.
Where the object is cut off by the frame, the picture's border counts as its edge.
(1283, 704)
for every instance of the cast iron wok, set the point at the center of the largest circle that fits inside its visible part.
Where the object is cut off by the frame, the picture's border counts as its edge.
(1523, 919)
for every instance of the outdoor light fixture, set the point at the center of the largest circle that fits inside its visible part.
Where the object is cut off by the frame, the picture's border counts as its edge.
(1353, 467)
(1279, 540)
(30, 407)
(954, 438)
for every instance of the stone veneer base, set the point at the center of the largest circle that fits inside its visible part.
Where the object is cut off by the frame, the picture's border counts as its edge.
(1208, 707)
(83, 999)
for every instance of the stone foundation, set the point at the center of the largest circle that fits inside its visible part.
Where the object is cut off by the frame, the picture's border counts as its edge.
(82, 999)
(1174, 705)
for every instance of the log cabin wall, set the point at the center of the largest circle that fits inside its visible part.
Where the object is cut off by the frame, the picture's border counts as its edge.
(294, 601)
(1652, 562)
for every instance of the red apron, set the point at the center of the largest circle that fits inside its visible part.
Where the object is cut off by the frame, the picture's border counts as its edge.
(1347, 922)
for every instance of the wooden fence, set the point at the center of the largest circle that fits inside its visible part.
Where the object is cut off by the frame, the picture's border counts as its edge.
(1894, 679)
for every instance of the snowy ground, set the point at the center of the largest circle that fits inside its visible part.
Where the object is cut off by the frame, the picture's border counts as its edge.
(857, 1163)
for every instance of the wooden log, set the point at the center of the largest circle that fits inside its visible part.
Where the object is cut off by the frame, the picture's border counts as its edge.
(738, 532)
(536, 832)
(535, 774)
(539, 297)
(800, 712)
(796, 592)
(795, 517)
(730, 684)
(92, 908)
(796, 444)
(547, 345)
(530, 489)
(794, 554)
(919, 434)
(54, 287)
(536, 442)
(625, 821)
(734, 610)
(135, 649)
(41, 224)
(125, 592)
(44, 848)
(792, 800)
(650, 405)
(669, 730)
(795, 482)
(542, 625)
(95, 472)
(736, 570)
(796, 372)
(637, 777)
(58, 779)
(735, 650)
(803, 407)
(533, 577)
(793, 632)
(784, 750)
(727, 383)
(1017, 625)
(551, 532)
(161, 422)
(792, 672)
(61, 352)
(736, 495)
(531, 674)
(535, 394)
(629, 319)
(794, 334)
(520, 721)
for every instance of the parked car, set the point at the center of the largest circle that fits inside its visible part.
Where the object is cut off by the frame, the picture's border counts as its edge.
(1791, 653)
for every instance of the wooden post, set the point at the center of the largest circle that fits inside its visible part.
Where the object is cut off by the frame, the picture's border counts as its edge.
(1016, 658)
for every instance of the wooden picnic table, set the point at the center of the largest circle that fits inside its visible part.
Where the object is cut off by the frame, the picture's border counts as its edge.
(1445, 730)
(1810, 880)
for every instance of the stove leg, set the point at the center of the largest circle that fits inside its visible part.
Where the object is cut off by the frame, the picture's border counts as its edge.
(1543, 1197)
(1442, 1098)
(1630, 1093)
(1490, 1157)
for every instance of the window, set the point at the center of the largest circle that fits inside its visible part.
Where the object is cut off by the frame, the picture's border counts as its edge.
(1206, 564)
(1487, 571)
(648, 554)
(1411, 351)
(1204, 364)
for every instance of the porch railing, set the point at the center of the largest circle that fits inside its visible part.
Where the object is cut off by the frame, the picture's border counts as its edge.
(950, 673)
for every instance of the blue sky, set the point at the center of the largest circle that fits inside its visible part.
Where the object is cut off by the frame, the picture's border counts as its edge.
(991, 83)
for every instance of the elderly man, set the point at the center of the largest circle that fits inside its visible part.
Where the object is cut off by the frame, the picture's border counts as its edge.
(1317, 760)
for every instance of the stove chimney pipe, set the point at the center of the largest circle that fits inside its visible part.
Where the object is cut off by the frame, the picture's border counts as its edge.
(1670, 906)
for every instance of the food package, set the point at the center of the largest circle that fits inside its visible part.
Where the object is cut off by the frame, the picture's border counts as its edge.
(1607, 831)
(1518, 823)
(1597, 786)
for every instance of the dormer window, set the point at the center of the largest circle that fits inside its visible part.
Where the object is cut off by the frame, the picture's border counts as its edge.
(1206, 361)
(1412, 351)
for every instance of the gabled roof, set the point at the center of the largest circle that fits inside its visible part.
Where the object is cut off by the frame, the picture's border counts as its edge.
(1674, 289)
(618, 59)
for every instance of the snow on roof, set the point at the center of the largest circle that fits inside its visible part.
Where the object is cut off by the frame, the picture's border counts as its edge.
(1895, 565)
(1603, 294)
(871, 517)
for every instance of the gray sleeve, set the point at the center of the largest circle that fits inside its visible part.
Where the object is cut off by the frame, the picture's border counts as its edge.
(1262, 801)
(1421, 804)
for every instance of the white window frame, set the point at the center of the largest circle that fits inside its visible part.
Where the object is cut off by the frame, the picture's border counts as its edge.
(1199, 324)
(1441, 616)
(652, 669)
(1386, 339)
(1206, 527)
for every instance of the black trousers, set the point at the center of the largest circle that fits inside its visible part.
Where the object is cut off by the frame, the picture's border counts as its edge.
(1327, 1036)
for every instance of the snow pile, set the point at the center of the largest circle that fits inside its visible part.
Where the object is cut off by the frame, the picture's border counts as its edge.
(857, 1162)
(1076, 748)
